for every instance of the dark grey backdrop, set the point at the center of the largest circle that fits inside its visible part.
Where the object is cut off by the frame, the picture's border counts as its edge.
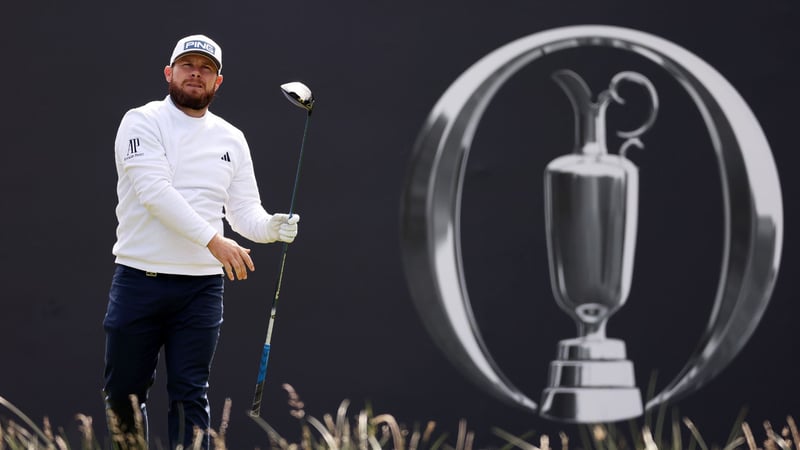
(347, 327)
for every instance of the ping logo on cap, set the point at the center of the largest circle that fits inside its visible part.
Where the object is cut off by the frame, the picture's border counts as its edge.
(199, 45)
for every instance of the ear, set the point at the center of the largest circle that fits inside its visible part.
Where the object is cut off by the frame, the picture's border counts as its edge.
(217, 82)
(168, 73)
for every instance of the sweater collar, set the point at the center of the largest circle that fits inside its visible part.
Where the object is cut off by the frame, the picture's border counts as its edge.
(174, 108)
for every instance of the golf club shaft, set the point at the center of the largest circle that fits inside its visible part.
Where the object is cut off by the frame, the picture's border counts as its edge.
(262, 369)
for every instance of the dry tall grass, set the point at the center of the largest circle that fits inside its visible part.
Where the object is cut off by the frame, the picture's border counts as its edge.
(366, 431)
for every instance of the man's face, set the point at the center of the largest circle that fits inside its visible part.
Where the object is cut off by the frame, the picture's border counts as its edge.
(193, 81)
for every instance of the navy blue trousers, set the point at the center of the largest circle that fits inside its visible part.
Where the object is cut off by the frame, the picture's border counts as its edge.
(180, 313)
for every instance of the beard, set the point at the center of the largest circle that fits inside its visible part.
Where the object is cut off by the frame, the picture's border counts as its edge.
(196, 102)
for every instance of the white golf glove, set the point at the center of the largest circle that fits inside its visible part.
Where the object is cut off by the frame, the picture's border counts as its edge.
(281, 227)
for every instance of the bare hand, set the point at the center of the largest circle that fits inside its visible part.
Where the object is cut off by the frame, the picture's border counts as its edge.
(234, 258)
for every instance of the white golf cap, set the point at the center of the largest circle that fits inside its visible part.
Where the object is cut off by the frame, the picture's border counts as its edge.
(198, 44)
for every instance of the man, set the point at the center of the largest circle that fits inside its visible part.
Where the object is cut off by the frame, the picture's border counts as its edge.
(180, 170)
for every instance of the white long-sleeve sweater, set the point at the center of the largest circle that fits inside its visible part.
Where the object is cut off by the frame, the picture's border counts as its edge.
(176, 173)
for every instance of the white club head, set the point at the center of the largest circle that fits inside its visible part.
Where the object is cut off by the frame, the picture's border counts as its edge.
(299, 94)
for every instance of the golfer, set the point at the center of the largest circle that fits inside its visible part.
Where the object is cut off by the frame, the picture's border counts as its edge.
(180, 169)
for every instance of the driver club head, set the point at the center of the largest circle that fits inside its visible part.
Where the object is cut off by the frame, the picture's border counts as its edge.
(299, 94)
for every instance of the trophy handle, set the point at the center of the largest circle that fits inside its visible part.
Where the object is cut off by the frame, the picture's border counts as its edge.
(752, 204)
(640, 79)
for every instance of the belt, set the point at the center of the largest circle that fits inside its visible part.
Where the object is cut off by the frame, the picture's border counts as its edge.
(163, 275)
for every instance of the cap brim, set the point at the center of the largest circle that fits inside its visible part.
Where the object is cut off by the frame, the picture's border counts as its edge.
(204, 54)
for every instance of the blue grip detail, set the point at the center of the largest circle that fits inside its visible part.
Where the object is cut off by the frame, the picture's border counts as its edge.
(262, 370)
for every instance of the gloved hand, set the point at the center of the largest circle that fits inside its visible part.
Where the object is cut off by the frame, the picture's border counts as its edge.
(282, 228)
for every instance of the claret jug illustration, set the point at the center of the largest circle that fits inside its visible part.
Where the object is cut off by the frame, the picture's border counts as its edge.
(591, 201)
(591, 198)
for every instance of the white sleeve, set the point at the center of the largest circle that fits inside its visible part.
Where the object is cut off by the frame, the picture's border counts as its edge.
(143, 160)
(243, 210)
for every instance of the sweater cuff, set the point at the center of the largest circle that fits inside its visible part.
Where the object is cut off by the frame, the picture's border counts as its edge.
(207, 235)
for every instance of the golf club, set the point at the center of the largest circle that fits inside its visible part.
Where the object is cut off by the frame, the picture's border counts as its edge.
(299, 95)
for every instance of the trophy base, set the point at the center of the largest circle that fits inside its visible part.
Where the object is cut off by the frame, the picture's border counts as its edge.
(591, 382)
(591, 405)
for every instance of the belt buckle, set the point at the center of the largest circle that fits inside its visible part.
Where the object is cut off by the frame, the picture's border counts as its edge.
(151, 274)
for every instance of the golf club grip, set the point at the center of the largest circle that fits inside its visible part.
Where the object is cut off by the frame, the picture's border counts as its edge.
(262, 374)
(255, 409)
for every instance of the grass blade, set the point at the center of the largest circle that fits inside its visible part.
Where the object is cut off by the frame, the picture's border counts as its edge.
(696, 433)
(524, 445)
(8, 405)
